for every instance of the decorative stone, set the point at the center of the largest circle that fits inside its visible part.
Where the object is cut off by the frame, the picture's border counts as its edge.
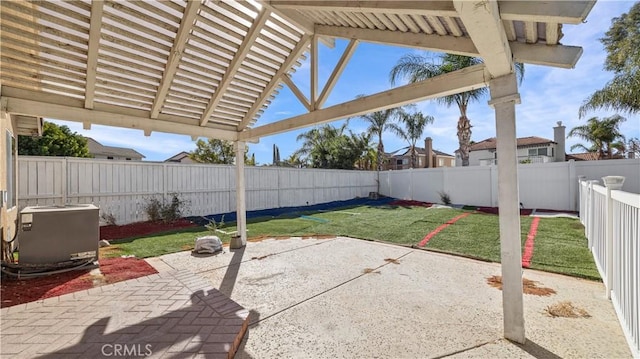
(208, 245)
(103, 243)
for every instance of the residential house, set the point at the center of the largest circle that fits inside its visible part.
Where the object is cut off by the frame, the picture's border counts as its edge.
(97, 150)
(530, 149)
(437, 158)
(182, 157)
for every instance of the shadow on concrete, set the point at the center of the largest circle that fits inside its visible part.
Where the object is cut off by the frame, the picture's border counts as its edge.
(209, 326)
(536, 350)
(231, 275)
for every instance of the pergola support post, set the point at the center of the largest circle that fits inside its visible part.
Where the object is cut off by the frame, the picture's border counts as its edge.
(241, 208)
(504, 97)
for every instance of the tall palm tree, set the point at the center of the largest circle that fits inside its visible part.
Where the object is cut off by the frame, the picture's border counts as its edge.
(414, 125)
(378, 123)
(420, 67)
(603, 134)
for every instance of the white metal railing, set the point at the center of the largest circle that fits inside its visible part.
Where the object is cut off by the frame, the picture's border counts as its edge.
(612, 225)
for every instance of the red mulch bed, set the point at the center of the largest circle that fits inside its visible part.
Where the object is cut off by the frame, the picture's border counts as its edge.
(17, 291)
(141, 229)
(410, 203)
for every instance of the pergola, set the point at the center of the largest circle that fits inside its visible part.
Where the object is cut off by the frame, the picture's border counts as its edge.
(210, 67)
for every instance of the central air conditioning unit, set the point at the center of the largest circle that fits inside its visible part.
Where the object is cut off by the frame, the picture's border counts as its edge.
(57, 234)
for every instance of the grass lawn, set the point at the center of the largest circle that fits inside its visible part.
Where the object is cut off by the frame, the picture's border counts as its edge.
(560, 245)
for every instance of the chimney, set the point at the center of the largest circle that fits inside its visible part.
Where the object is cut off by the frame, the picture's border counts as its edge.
(559, 137)
(428, 152)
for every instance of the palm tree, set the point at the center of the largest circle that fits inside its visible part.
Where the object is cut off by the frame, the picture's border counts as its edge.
(619, 94)
(316, 144)
(622, 93)
(414, 124)
(418, 68)
(603, 134)
(368, 153)
(378, 123)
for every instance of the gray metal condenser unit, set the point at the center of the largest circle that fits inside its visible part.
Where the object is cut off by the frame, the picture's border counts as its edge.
(55, 234)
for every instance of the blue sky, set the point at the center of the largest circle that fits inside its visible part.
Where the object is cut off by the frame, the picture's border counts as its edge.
(548, 95)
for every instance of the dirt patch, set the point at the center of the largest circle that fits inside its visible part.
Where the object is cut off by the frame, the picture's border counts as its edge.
(370, 270)
(111, 251)
(261, 257)
(17, 291)
(528, 286)
(141, 229)
(410, 203)
(566, 309)
(392, 260)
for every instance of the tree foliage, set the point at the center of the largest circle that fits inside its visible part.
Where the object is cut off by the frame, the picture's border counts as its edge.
(329, 147)
(414, 68)
(603, 136)
(378, 122)
(55, 141)
(622, 43)
(218, 152)
(412, 130)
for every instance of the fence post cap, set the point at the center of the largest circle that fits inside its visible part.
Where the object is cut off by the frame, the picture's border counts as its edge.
(613, 182)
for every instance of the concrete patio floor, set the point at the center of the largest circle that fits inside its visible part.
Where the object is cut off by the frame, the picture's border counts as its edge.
(313, 298)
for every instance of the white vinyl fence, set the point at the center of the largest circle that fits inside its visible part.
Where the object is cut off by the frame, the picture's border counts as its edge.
(612, 225)
(542, 185)
(122, 188)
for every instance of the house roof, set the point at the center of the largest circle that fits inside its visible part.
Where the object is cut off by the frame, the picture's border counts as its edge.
(96, 148)
(177, 157)
(588, 156)
(422, 151)
(490, 143)
(210, 68)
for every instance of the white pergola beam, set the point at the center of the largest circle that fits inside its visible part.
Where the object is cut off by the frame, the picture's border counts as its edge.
(296, 91)
(539, 54)
(64, 112)
(563, 12)
(97, 7)
(438, 8)
(467, 79)
(275, 80)
(482, 21)
(235, 64)
(449, 44)
(186, 24)
(337, 71)
(313, 94)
